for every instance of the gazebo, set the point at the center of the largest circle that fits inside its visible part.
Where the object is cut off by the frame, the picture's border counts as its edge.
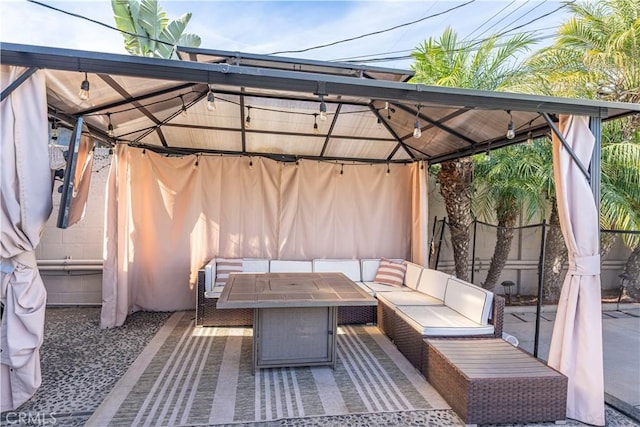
(234, 154)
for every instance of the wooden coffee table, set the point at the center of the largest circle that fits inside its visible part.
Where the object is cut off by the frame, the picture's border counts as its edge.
(295, 318)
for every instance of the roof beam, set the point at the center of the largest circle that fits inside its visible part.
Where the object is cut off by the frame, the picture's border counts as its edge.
(436, 124)
(293, 81)
(330, 131)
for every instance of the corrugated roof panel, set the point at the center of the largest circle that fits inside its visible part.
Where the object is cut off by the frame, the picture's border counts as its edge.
(354, 148)
(179, 137)
(284, 144)
(361, 122)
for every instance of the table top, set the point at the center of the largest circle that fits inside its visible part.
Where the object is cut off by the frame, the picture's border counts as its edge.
(277, 290)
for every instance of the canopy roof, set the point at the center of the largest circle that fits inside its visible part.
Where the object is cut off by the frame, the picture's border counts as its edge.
(371, 111)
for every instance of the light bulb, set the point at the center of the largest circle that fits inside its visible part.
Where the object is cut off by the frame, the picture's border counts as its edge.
(379, 123)
(84, 89)
(247, 122)
(183, 108)
(315, 129)
(511, 133)
(417, 132)
(529, 138)
(386, 105)
(110, 127)
(487, 155)
(211, 101)
(323, 111)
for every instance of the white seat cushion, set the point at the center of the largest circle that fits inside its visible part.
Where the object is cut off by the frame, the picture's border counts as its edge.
(287, 266)
(407, 298)
(440, 320)
(381, 287)
(365, 288)
(412, 275)
(469, 300)
(214, 293)
(350, 267)
(433, 282)
(255, 265)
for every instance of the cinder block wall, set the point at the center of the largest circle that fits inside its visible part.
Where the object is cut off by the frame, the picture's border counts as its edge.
(70, 260)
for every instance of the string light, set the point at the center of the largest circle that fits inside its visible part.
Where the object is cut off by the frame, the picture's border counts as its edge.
(323, 109)
(529, 135)
(110, 127)
(386, 105)
(250, 162)
(315, 124)
(247, 121)
(379, 123)
(342, 169)
(417, 131)
(184, 107)
(84, 89)
(511, 133)
(388, 170)
(211, 100)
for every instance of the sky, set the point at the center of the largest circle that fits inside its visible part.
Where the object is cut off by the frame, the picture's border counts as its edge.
(264, 27)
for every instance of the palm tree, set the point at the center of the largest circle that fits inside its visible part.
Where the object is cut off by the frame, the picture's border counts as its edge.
(596, 55)
(490, 65)
(147, 30)
(506, 183)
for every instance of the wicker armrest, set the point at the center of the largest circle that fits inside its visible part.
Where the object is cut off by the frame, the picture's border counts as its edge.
(498, 315)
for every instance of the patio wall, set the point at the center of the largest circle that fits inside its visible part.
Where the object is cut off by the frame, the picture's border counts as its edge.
(70, 260)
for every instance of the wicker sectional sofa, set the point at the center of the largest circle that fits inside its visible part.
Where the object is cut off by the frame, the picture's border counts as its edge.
(361, 272)
(432, 304)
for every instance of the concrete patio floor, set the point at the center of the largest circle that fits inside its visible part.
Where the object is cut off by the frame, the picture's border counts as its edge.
(81, 363)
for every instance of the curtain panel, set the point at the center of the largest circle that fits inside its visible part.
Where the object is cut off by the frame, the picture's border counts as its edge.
(167, 216)
(26, 182)
(576, 342)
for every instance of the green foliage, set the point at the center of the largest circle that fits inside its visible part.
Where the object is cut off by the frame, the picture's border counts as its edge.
(489, 65)
(148, 21)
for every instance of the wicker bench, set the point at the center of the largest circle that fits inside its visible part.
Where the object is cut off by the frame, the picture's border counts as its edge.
(490, 381)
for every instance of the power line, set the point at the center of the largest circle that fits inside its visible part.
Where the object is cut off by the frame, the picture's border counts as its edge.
(373, 33)
(403, 57)
(75, 15)
(489, 20)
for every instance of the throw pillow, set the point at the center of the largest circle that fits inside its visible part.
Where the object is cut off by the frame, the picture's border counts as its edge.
(390, 273)
(224, 266)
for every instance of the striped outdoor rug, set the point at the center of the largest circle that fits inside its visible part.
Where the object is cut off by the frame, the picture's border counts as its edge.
(202, 376)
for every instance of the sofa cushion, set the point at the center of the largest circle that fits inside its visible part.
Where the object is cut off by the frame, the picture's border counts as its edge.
(224, 266)
(381, 287)
(440, 320)
(369, 268)
(433, 282)
(412, 275)
(255, 265)
(390, 273)
(407, 298)
(469, 300)
(288, 266)
(365, 288)
(350, 267)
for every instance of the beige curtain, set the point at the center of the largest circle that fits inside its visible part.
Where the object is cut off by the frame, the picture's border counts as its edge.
(420, 214)
(363, 212)
(26, 205)
(167, 216)
(576, 342)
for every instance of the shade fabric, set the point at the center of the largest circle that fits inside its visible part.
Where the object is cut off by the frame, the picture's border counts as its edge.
(26, 205)
(576, 342)
(167, 216)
